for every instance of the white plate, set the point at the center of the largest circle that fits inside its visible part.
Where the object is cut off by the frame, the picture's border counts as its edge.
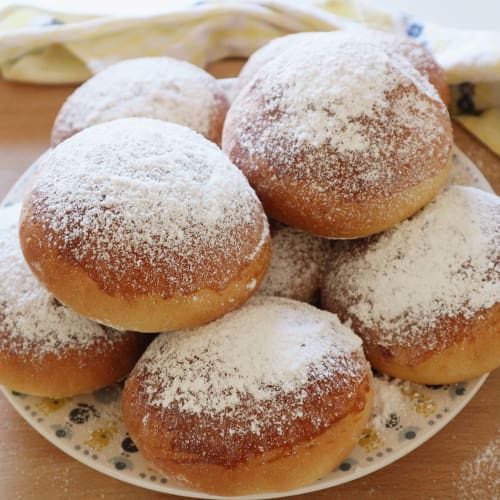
(90, 428)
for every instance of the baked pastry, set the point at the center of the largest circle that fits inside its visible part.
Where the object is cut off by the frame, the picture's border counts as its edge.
(343, 140)
(297, 264)
(425, 295)
(144, 225)
(45, 348)
(416, 53)
(152, 87)
(268, 398)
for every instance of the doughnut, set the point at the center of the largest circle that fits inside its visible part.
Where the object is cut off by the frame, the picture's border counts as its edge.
(425, 295)
(342, 141)
(268, 398)
(297, 264)
(144, 225)
(45, 348)
(151, 87)
(416, 53)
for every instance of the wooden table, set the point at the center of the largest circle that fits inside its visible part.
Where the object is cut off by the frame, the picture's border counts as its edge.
(32, 468)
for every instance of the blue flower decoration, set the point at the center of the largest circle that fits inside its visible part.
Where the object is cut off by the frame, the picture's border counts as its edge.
(415, 30)
(408, 433)
(62, 431)
(122, 463)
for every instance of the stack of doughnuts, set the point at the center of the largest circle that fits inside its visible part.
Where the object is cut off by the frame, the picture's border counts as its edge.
(47, 349)
(138, 221)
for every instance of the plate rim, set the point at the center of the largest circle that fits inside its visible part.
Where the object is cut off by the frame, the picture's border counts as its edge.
(473, 386)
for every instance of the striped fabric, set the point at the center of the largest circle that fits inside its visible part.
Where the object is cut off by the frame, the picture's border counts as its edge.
(56, 47)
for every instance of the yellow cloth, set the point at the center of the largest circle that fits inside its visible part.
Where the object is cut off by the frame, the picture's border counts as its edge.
(486, 127)
(56, 47)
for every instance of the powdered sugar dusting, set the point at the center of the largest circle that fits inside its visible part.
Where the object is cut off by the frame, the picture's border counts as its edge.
(152, 87)
(31, 320)
(479, 477)
(263, 55)
(415, 52)
(138, 200)
(442, 263)
(342, 114)
(296, 265)
(270, 346)
(388, 400)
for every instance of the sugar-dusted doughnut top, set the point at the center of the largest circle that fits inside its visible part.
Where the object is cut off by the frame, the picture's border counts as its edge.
(416, 53)
(442, 263)
(152, 87)
(343, 118)
(147, 207)
(273, 373)
(32, 322)
(271, 346)
(264, 54)
(297, 264)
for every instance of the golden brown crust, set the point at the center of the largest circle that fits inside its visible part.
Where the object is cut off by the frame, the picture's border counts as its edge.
(424, 296)
(463, 348)
(270, 462)
(217, 119)
(474, 351)
(63, 130)
(357, 218)
(297, 264)
(171, 240)
(425, 63)
(45, 252)
(294, 203)
(152, 312)
(69, 371)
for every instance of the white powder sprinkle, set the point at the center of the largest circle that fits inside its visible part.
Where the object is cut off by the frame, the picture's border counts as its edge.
(411, 49)
(479, 477)
(297, 264)
(442, 263)
(148, 205)
(389, 403)
(262, 56)
(340, 115)
(270, 346)
(152, 87)
(31, 320)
